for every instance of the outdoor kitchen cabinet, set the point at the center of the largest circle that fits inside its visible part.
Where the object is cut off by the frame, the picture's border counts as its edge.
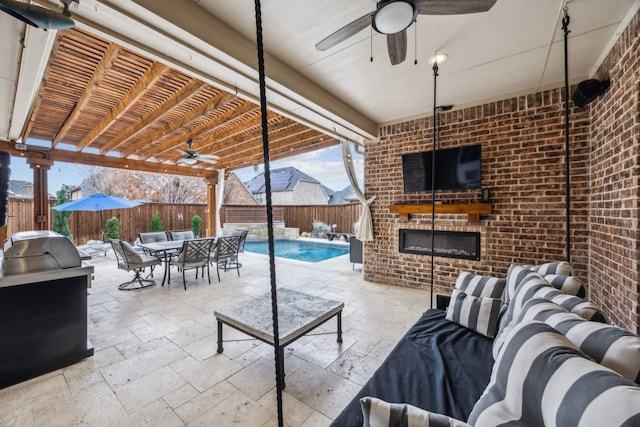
(43, 323)
(43, 306)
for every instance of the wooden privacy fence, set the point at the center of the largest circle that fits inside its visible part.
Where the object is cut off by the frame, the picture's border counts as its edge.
(301, 217)
(85, 226)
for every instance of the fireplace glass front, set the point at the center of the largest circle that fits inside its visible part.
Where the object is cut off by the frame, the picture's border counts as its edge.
(447, 244)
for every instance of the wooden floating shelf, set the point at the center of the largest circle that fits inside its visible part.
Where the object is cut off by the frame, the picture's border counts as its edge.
(472, 210)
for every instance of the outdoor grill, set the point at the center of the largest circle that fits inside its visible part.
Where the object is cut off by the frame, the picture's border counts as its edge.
(43, 306)
(33, 251)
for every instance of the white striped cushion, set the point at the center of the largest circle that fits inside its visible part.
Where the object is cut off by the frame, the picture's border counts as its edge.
(611, 346)
(532, 285)
(516, 272)
(541, 379)
(378, 413)
(556, 267)
(568, 284)
(480, 286)
(476, 313)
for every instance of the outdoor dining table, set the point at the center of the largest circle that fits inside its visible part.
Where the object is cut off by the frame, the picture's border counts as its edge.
(164, 250)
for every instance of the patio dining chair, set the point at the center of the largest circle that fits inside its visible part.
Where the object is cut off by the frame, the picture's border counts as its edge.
(226, 253)
(131, 260)
(243, 237)
(182, 234)
(194, 255)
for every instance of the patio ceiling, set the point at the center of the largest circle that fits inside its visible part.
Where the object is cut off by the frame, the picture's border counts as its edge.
(101, 103)
(136, 79)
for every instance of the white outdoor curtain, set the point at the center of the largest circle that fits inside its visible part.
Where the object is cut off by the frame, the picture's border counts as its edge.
(365, 228)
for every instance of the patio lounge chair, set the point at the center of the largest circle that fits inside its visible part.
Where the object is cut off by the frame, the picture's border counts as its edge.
(131, 260)
(194, 255)
(226, 253)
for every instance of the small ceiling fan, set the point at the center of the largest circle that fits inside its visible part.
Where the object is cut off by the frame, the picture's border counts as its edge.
(393, 17)
(191, 156)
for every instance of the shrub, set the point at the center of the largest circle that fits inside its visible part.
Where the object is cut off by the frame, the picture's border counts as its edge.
(156, 223)
(112, 229)
(320, 229)
(61, 218)
(196, 225)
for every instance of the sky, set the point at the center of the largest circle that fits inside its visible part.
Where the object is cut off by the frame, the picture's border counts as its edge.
(325, 165)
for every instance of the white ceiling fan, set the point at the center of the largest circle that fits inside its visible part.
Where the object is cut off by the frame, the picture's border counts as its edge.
(191, 156)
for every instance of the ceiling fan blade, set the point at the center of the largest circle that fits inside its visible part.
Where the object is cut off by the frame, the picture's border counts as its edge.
(210, 161)
(397, 47)
(208, 156)
(448, 7)
(345, 32)
(183, 152)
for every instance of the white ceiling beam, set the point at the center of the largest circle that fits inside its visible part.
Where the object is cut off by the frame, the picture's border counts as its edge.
(35, 56)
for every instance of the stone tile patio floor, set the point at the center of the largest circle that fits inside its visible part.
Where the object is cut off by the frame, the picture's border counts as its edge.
(155, 359)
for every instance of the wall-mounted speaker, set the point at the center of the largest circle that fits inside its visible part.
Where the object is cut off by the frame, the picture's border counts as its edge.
(5, 173)
(588, 90)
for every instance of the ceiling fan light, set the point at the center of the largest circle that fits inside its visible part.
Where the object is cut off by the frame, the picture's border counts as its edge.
(394, 17)
(188, 161)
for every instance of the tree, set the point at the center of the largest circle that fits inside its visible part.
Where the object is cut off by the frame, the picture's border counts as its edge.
(156, 222)
(196, 225)
(112, 229)
(147, 186)
(61, 218)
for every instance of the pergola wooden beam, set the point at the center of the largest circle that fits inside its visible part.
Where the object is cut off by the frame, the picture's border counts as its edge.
(229, 106)
(140, 89)
(106, 161)
(176, 100)
(102, 70)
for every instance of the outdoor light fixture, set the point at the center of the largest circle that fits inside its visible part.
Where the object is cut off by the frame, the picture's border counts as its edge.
(438, 58)
(188, 161)
(39, 17)
(394, 16)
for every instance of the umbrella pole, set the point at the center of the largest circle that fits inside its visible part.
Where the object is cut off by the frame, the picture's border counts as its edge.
(102, 227)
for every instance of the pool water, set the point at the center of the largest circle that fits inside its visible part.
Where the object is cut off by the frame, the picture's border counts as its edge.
(297, 249)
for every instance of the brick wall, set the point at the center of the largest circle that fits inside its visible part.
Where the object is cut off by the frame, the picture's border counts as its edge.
(523, 164)
(614, 231)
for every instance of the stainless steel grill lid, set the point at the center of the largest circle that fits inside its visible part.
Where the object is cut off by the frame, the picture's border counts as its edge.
(39, 250)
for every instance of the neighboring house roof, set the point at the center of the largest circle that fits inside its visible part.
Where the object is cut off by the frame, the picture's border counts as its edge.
(283, 179)
(343, 197)
(20, 189)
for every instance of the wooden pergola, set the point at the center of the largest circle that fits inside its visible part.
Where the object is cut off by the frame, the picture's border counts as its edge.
(105, 105)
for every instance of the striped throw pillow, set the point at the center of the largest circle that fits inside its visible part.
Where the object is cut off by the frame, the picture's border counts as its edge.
(541, 379)
(475, 313)
(556, 267)
(532, 285)
(516, 272)
(570, 285)
(378, 413)
(610, 346)
(480, 286)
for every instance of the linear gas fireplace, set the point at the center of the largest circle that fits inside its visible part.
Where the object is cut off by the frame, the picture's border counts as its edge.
(447, 244)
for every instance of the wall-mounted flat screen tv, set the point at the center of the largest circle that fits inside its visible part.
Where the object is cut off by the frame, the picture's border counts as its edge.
(455, 168)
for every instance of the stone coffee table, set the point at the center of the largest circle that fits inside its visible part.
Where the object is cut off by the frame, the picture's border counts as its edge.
(298, 313)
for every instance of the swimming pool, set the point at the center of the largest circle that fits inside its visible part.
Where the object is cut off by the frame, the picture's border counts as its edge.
(301, 250)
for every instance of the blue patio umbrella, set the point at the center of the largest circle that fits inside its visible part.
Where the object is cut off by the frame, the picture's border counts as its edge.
(97, 203)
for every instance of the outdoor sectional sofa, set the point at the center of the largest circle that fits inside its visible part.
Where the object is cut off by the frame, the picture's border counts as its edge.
(525, 350)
